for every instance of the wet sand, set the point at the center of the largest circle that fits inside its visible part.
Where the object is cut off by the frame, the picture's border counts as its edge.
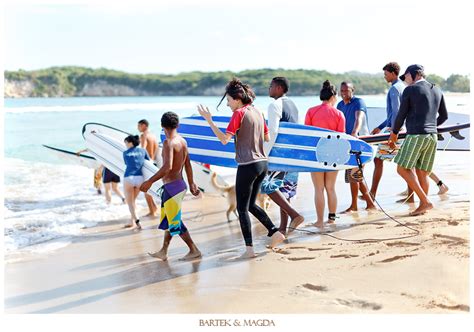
(107, 270)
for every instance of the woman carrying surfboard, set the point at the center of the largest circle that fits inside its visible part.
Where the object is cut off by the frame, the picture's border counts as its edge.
(328, 117)
(134, 158)
(248, 126)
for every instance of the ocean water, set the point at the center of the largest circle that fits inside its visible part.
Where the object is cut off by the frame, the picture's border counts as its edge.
(49, 200)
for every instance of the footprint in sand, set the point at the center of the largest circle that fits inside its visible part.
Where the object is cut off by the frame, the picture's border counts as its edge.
(452, 239)
(300, 258)
(395, 258)
(344, 256)
(460, 307)
(360, 304)
(402, 244)
(315, 287)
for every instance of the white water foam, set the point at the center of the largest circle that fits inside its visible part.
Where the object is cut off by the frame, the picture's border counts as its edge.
(45, 202)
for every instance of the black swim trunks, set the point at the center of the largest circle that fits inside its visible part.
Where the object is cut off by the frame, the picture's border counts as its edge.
(108, 176)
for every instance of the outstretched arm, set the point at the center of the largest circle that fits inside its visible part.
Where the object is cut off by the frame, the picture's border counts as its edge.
(206, 114)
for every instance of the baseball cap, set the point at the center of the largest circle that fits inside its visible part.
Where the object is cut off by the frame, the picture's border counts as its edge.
(412, 69)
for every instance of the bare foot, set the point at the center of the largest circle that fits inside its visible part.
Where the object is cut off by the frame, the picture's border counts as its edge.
(319, 224)
(422, 209)
(191, 255)
(159, 254)
(330, 221)
(295, 223)
(371, 208)
(276, 239)
(406, 200)
(403, 193)
(151, 215)
(350, 209)
(443, 189)
(249, 253)
(127, 226)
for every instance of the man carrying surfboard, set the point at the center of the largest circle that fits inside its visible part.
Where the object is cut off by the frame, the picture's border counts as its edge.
(281, 186)
(394, 95)
(421, 103)
(150, 144)
(175, 158)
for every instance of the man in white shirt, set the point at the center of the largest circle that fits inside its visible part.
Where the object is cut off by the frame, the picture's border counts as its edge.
(281, 186)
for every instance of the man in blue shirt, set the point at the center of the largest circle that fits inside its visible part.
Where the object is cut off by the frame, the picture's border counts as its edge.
(394, 95)
(355, 112)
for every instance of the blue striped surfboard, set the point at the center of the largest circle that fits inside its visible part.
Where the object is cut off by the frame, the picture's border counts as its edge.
(298, 148)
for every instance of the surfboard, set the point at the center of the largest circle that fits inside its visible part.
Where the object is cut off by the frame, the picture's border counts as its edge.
(446, 141)
(83, 159)
(298, 148)
(106, 144)
(454, 130)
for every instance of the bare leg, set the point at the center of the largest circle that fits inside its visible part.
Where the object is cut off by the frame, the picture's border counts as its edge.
(163, 252)
(130, 199)
(136, 192)
(283, 220)
(193, 250)
(318, 182)
(409, 176)
(443, 188)
(354, 192)
(378, 171)
(117, 191)
(330, 186)
(423, 180)
(151, 205)
(280, 200)
(108, 194)
(365, 194)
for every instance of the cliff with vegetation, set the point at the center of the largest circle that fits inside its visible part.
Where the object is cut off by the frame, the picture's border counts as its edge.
(79, 81)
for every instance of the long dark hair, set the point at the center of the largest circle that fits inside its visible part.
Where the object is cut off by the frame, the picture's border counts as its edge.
(238, 90)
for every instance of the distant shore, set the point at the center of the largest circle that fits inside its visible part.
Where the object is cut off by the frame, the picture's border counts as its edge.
(87, 82)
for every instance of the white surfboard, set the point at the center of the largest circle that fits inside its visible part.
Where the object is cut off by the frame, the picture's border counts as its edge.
(106, 144)
(83, 159)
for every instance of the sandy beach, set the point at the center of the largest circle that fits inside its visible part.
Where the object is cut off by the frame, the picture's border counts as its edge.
(107, 270)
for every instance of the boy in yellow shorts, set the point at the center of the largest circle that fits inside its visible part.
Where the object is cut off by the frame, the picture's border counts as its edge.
(175, 157)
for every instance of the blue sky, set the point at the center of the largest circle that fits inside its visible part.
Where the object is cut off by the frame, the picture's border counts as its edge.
(208, 35)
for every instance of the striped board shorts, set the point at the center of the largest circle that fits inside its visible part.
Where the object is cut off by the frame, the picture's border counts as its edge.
(385, 152)
(418, 151)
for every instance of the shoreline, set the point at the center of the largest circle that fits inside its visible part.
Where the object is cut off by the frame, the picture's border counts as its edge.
(107, 270)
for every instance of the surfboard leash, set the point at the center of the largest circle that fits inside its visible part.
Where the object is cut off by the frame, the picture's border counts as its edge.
(359, 164)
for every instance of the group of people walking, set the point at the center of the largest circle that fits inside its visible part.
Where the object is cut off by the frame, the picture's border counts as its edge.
(411, 101)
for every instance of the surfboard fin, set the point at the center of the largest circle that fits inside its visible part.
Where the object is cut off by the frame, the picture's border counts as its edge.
(440, 137)
(456, 134)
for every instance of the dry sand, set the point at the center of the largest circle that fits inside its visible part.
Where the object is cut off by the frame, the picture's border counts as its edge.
(107, 270)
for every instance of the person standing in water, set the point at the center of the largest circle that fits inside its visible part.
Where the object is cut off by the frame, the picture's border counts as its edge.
(248, 126)
(134, 158)
(149, 142)
(175, 158)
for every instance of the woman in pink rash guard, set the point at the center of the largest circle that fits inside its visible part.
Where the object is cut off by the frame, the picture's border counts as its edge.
(328, 117)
